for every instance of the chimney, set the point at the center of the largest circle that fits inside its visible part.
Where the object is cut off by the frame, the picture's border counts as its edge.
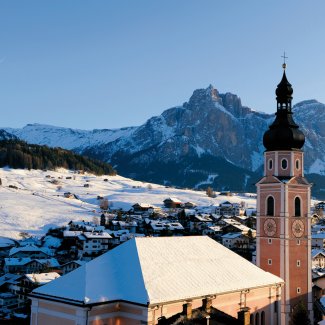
(244, 316)
(187, 310)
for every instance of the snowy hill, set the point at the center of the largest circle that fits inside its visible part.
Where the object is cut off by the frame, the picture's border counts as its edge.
(33, 201)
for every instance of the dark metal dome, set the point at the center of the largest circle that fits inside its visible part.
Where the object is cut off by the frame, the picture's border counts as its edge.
(284, 90)
(283, 133)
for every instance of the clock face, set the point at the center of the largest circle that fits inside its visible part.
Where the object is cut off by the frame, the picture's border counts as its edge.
(298, 228)
(269, 227)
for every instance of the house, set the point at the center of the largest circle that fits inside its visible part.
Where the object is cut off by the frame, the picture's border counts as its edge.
(141, 207)
(164, 282)
(213, 231)
(91, 244)
(70, 266)
(172, 203)
(158, 226)
(235, 240)
(189, 205)
(28, 265)
(318, 258)
(33, 280)
(31, 251)
(200, 222)
(8, 301)
(10, 283)
(318, 240)
(320, 206)
(232, 225)
(5, 245)
(230, 209)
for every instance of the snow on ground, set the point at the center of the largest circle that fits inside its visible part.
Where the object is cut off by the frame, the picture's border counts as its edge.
(37, 204)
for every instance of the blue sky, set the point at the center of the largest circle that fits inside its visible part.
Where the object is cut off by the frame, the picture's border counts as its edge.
(115, 63)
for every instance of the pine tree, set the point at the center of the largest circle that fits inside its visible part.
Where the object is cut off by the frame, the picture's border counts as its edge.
(299, 315)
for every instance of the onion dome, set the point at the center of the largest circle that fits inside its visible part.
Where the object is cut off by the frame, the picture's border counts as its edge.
(283, 133)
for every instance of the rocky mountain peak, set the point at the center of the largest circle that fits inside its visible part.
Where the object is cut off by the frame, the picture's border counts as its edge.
(204, 97)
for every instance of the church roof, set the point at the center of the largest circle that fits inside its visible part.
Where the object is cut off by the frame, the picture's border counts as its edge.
(155, 270)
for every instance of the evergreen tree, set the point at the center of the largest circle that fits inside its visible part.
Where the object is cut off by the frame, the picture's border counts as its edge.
(299, 315)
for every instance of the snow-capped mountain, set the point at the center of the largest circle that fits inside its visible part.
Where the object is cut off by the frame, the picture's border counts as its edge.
(211, 134)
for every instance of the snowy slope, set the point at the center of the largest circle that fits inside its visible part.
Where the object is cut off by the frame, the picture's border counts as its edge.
(37, 204)
(54, 136)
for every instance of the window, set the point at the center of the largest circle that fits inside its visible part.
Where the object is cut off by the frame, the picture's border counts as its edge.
(298, 241)
(298, 290)
(270, 240)
(270, 164)
(263, 318)
(297, 207)
(297, 164)
(298, 263)
(269, 261)
(270, 206)
(284, 163)
(257, 319)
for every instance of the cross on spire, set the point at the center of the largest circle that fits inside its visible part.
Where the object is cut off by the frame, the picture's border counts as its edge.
(284, 65)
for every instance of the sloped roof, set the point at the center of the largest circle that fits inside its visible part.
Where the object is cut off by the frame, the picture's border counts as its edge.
(159, 269)
(42, 278)
(29, 248)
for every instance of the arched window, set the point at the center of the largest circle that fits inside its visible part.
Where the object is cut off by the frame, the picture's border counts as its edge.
(257, 319)
(284, 163)
(270, 164)
(270, 206)
(263, 318)
(297, 207)
(252, 319)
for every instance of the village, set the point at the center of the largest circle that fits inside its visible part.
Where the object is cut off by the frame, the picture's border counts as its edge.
(30, 262)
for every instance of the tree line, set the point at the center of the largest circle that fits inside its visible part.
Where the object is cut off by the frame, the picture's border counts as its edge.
(20, 154)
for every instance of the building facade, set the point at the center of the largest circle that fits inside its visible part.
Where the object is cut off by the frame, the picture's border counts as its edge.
(283, 207)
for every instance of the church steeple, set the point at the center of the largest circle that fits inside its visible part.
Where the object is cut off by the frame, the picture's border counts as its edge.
(283, 133)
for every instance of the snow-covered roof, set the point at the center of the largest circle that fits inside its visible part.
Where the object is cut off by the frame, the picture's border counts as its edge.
(97, 235)
(70, 233)
(232, 235)
(6, 242)
(12, 261)
(42, 278)
(320, 235)
(315, 252)
(159, 269)
(29, 248)
(173, 199)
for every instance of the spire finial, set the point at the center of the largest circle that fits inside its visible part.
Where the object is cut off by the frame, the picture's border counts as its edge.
(284, 65)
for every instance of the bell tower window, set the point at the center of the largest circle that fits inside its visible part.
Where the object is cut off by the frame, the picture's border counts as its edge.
(297, 207)
(297, 164)
(284, 163)
(270, 206)
(270, 164)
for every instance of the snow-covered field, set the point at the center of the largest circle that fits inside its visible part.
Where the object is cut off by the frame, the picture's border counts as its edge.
(37, 204)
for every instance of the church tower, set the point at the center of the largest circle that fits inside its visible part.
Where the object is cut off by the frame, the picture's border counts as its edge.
(283, 208)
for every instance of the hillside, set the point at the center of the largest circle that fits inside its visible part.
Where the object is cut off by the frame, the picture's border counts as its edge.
(19, 154)
(33, 201)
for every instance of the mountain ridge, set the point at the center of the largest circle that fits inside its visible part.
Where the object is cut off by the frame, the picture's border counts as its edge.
(210, 125)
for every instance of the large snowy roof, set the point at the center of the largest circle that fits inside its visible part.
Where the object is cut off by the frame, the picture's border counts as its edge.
(156, 270)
